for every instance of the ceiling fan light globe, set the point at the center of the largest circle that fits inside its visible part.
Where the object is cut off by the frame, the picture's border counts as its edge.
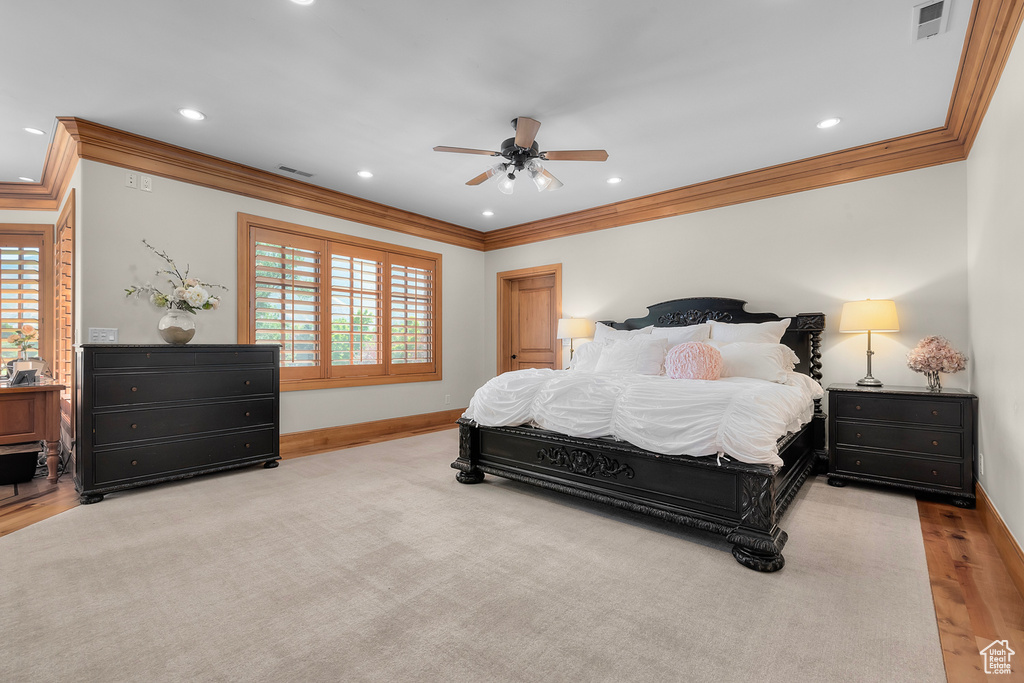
(507, 184)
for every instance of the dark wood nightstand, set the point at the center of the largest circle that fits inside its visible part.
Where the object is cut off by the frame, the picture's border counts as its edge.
(906, 437)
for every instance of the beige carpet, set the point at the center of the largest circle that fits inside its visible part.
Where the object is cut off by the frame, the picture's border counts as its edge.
(374, 564)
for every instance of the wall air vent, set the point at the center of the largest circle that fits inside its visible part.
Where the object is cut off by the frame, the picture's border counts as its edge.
(931, 18)
(288, 169)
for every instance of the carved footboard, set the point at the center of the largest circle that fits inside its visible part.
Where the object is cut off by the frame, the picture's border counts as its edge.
(740, 501)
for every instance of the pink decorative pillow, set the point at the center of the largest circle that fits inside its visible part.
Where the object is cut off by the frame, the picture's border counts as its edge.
(693, 360)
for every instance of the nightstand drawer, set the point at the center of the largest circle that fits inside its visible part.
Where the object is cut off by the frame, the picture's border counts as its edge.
(884, 409)
(928, 441)
(900, 468)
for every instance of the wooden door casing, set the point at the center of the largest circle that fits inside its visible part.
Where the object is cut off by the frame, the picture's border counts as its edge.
(529, 306)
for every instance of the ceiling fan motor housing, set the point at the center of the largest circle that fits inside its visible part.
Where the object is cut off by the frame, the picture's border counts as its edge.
(519, 155)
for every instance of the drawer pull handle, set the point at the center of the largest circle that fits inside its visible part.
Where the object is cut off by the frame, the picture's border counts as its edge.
(135, 426)
(858, 462)
(247, 382)
(935, 472)
(935, 412)
(135, 388)
(857, 407)
(247, 413)
(935, 443)
(147, 355)
(248, 445)
(858, 435)
(135, 462)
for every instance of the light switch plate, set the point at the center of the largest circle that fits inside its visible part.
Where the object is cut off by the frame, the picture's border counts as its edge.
(102, 335)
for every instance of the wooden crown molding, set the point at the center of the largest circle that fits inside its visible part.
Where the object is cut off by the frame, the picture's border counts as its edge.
(993, 27)
(101, 143)
(46, 195)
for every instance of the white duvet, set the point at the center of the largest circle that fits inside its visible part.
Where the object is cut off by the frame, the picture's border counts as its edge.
(734, 416)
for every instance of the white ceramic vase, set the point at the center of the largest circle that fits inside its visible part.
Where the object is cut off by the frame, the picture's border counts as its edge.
(177, 326)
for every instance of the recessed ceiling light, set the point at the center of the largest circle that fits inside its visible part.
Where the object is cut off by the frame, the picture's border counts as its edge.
(614, 181)
(829, 123)
(35, 131)
(303, 2)
(488, 213)
(361, 174)
(27, 180)
(193, 114)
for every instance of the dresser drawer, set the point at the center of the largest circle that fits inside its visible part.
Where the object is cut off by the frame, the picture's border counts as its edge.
(928, 441)
(151, 423)
(152, 387)
(943, 473)
(885, 409)
(114, 466)
(264, 356)
(144, 359)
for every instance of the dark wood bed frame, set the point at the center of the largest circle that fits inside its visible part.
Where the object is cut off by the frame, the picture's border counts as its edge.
(743, 502)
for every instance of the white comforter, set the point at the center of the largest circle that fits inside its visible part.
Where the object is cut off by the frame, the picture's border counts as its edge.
(740, 417)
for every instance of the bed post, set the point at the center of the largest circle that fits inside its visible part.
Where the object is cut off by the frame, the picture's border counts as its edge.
(813, 324)
(758, 543)
(469, 446)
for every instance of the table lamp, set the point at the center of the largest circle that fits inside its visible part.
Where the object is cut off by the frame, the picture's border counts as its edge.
(574, 328)
(870, 315)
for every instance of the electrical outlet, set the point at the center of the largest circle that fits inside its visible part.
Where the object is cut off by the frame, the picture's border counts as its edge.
(131, 179)
(146, 183)
(102, 335)
(447, 399)
(981, 464)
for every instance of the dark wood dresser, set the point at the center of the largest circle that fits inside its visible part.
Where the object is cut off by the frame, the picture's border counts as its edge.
(907, 437)
(148, 414)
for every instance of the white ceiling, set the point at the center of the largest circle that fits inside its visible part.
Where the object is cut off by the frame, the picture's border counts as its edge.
(677, 92)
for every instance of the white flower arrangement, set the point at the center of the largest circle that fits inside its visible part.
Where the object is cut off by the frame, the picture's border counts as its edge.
(187, 293)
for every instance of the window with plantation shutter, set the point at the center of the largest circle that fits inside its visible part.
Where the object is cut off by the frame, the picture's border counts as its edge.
(25, 291)
(346, 311)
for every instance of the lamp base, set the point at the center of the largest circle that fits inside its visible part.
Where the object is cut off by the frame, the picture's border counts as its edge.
(869, 381)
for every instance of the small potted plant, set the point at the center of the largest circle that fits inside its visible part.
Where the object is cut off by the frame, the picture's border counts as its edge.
(933, 355)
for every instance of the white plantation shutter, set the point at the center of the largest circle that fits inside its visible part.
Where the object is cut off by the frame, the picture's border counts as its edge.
(286, 300)
(412, 313)
(20, 282)
(357, 308)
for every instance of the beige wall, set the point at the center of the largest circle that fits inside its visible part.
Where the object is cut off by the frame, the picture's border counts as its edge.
(995, 202)
(198, 226)
(901, 237)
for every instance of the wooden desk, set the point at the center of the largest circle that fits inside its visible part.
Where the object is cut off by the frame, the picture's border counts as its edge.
(32, 413)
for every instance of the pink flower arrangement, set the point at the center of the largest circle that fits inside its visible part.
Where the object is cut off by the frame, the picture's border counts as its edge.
(935, 354)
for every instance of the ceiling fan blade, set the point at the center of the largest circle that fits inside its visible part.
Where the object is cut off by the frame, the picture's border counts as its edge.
(576, 155)
(481, 178)
(526, 131)
(555, 182)
(466, 150)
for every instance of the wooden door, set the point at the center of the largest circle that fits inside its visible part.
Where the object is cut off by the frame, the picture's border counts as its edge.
(529, 305)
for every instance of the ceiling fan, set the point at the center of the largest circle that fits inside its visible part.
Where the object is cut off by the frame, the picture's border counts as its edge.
(523, 154)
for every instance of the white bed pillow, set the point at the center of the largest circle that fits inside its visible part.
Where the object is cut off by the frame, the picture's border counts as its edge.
(641, 355)
(586, 356)
(681, 335)
(771, 362)
(768, 333)
(604, 333)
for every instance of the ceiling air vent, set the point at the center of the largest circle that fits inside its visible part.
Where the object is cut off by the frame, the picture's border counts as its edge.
(930, 18)
(289, 169)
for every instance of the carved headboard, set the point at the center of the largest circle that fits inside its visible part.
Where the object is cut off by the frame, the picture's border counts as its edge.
(803, 335)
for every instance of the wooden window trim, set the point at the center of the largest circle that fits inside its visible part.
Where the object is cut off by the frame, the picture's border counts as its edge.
(326, 378)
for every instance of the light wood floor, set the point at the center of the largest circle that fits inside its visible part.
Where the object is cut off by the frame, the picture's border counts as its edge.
(975, 600)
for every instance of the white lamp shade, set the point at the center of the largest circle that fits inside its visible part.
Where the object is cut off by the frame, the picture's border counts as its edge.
(574, 328)
(876, 315)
